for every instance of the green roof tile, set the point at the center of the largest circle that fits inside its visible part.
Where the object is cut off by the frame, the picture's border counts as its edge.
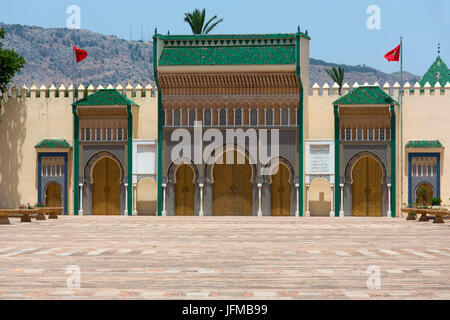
(105, 97)
(424, 144)
(437, 72)
(228, 55)
(366, 95)
(53, 143)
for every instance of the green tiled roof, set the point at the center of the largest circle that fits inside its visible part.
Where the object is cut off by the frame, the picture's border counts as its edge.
(53, 143)
(228, 55)
(230, 36)
(105, 97)
(366, 95)
(437, 72)
(424, 144)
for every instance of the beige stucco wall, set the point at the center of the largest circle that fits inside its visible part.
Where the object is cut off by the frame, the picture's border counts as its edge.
(26, 121)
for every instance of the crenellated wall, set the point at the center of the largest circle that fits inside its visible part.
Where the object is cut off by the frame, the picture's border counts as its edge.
(30, 115)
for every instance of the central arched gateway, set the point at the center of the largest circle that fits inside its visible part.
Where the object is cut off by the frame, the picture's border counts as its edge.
(184, 191)
(367, 188)
(232, 194)
(281, 200)
(106, 187)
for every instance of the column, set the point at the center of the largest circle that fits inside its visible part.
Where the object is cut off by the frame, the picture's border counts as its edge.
(135, 200)
(332, 202)
(80, 212)
(125, 213)
(308, 214)
(164, 213)
(201, 185)
(259, 200)
(341, 212)
(389, 212)
(297, 186)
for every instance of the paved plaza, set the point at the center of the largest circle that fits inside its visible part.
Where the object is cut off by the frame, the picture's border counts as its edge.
(224, 258)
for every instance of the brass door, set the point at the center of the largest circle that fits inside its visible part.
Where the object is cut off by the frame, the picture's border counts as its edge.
(184, 191)
(366, 198)
(106, 188)
(232, 194)
(281, 200)
(53, 196)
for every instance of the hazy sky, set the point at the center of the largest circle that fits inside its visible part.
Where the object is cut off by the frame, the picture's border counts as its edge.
(338, 28)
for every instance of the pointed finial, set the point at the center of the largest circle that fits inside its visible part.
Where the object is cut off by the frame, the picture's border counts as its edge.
(298, 28)
(439, 48)
(168, 32)
(156, 30)
(306, 31)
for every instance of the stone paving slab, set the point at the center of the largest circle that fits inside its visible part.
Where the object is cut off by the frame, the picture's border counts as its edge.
(224, 258)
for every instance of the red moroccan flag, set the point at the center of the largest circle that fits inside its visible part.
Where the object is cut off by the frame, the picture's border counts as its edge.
(80, 55)
(393, 55)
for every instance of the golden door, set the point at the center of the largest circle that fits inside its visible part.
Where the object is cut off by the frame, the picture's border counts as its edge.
(106, 188)
(366, 196)
(184, 191)
(281, 199)
(232, 194)
(53, 196)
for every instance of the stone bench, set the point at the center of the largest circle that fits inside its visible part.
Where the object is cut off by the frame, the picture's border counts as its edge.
(52, 212)
(23, 214)
(438, 214)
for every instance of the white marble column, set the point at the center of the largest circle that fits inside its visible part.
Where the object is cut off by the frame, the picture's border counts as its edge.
(308, 213)
(297, 213)
(341, 212)
(259, 200)
(164, 213)
(125, 212)
(389, 212)
(80, 211)
(200, 213)
(332, 202)
(134, 200)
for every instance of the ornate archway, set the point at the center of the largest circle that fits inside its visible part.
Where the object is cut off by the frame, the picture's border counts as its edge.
(232, 194)
(106, 176)
(367, 178)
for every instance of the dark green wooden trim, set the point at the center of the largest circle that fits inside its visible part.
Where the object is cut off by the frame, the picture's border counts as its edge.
(393, 162)
(300, 126)
(160, 118)
(76, 159)
(337, 147)
(130, 161)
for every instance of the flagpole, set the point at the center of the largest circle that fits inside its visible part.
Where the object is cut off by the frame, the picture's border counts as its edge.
(401, 119)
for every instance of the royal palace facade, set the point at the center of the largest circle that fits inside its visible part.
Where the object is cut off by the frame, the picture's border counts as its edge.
(116, 151)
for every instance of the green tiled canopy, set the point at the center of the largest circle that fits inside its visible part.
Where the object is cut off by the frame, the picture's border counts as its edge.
(437, 72)
(367, 95)
(105, 97)
(53, 143)
(228, 55)
(231, 36)
(424, 144)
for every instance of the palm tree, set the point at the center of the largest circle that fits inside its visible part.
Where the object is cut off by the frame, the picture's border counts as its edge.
(337, 75)
(196, 20)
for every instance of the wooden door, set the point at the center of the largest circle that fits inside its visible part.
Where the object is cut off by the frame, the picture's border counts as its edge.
(424, 193)
(106, 188)
(184, 191)
(232, 194)
(281, 200)
(53, 195)
(366, 198)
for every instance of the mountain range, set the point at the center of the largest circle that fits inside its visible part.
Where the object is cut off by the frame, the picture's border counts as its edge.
(49, 56)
